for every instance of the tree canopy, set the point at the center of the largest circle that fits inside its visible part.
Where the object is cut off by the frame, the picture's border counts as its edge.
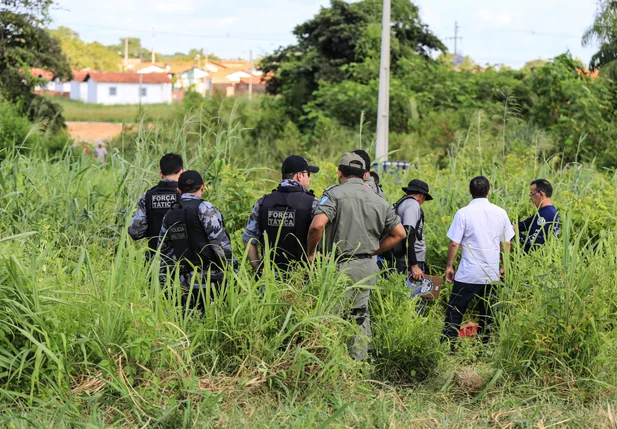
(604, 32)
(340, 41)
(82, 55)
(26, 43)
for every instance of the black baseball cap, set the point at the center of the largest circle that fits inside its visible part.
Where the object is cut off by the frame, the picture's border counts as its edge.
(418, 187)
(190, 180)
(296, 164)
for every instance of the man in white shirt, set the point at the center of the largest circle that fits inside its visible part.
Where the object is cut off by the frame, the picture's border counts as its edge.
(481, 229)
(100, 152)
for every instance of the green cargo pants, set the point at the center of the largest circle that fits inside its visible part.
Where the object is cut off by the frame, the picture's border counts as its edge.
(356, 300)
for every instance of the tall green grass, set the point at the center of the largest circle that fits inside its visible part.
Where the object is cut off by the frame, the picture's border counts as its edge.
(87, 334)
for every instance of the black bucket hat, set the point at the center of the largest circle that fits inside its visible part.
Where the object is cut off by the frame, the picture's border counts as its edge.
(418, 187)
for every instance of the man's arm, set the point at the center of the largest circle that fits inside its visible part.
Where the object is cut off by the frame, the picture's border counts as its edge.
(524, 225)
(394, 236)
(218, 240)
(253, 255)
(138, 227)
(315, 233)
(252, 235)
(412, 260)
(452, 251)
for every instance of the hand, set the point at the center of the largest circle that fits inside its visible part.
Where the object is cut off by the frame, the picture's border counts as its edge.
(501, 271)
(450, 274)
(311, 258)
(417, 273)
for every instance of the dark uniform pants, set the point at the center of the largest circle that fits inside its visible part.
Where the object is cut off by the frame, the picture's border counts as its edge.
(361, 272)
(461, 296)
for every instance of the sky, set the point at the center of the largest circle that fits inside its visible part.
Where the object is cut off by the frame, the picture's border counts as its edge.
(493, 31)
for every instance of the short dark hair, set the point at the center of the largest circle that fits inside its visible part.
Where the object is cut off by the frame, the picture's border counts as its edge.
(347, 171)
(289, 176)
(171, 163)
(365, 157)
(479, 187)
(543, 185)
(376, 177)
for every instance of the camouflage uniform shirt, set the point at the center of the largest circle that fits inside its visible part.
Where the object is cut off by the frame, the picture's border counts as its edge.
(218, 239)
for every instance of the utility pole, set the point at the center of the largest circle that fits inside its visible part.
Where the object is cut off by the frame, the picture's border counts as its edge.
(381, 150)
(126, 53)
(455, 38)
(140, 75)
(251, 73)
(153, 39)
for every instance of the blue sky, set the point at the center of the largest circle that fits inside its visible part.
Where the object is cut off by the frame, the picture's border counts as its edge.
(495, 31)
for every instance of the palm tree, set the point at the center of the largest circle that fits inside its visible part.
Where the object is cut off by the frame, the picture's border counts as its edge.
(604, 32)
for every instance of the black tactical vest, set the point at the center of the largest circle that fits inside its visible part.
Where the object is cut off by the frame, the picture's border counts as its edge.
(187, 234)
(286, 214)
(158, 201)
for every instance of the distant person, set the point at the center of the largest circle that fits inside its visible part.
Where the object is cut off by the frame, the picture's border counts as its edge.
(483, 231)
(282, 218)
(355, 220)
(100, 152)
(194, 241)
(546, 220)
(154, 204)
(368, 178)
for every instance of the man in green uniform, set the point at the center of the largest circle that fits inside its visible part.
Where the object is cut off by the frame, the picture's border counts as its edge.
(356, 217)
(371, 179)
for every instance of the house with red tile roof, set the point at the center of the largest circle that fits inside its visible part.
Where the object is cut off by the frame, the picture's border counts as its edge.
(128, 88)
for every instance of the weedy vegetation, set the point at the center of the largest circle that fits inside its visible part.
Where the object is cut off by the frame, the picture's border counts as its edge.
(89, 337)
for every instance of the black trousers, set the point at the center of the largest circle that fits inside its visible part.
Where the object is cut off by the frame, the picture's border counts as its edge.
(462, 295)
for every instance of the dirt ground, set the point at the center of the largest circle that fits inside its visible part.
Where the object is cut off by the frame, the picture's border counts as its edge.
(92, 132)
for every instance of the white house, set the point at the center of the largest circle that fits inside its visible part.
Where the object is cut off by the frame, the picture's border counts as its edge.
(128, 88)
(195, 78)
(79, 87)
(153, 68)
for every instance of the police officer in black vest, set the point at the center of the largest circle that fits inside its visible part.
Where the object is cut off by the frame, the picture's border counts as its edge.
(193, 240)
(282, 218)
(154, 204)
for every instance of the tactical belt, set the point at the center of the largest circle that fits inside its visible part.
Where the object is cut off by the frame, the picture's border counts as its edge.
(356, 256)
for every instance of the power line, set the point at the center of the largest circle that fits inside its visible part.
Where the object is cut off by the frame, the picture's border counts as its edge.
(526, 32)
(173, 33)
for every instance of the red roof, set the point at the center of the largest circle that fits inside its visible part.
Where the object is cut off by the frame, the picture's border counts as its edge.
(79, 76)
(47, 75)
(254, 80)
(128, 77)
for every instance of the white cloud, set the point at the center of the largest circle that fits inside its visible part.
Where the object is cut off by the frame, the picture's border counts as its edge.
(497, 18)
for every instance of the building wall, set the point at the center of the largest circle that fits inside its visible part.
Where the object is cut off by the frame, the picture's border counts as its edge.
(128, 93)
(79, 91)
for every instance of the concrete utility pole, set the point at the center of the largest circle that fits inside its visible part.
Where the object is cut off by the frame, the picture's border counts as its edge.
(140, 74)
(126, 53)
(251, 73)
(153, 39)
(381, 150)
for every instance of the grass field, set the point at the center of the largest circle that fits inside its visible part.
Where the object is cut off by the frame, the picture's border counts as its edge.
(87, 337)
(77, 111)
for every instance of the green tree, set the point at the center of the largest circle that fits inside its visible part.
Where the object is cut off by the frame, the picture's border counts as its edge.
(134, 46)
(576, 108)
(25, 43)
(338, 37)
(83, 55)
(604, 32)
